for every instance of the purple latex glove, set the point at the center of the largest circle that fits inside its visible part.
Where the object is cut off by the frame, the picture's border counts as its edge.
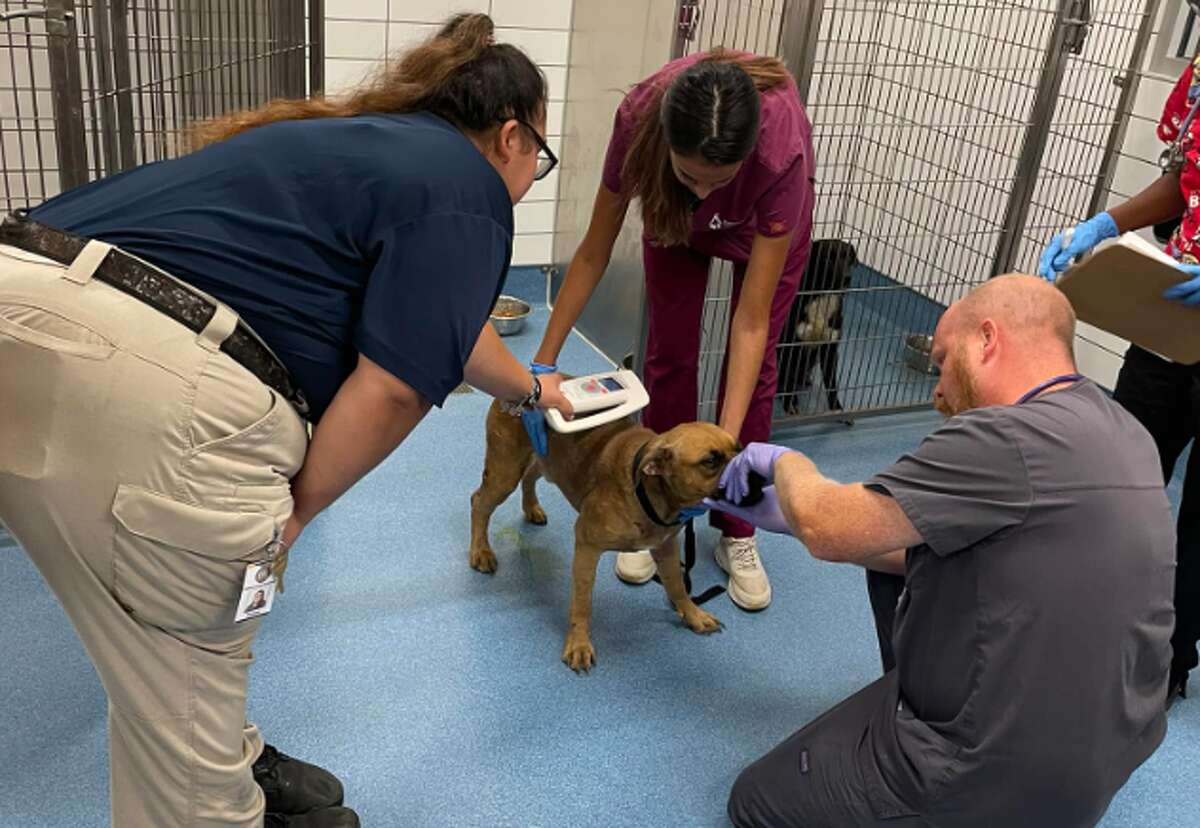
(759, 457)
(765, 514)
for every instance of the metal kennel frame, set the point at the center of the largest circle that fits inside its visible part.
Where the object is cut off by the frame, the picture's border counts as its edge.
(92, 87)
(952, 139)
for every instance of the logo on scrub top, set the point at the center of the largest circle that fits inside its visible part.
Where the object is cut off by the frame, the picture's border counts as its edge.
(718, 223)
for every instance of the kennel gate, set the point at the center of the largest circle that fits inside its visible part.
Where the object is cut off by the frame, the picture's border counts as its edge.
(92, 87)
(952, 140)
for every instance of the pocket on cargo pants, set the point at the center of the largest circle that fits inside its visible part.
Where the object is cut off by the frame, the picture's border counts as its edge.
(38, 350)
(178, 566)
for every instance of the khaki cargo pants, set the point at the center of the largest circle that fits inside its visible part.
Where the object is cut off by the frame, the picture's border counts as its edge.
(141, 469)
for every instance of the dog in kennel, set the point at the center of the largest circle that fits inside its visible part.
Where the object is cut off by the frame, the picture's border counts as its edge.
(814, 328)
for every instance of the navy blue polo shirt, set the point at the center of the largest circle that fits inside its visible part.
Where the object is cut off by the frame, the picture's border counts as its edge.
(386, 235)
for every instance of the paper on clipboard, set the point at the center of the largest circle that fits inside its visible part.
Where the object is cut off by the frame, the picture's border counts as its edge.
(1118, 288)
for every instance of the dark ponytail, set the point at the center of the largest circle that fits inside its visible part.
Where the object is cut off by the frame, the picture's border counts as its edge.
(710, 110)
(459, 74)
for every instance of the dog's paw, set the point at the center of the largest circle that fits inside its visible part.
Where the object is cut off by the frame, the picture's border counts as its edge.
(483, 560)
(536, 515)
(579, 655)
(702, 622)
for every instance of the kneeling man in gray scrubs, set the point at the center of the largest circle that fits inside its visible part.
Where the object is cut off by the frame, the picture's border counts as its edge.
(1032, 639)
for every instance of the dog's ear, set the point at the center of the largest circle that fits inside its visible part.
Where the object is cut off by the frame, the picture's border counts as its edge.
(656, 461)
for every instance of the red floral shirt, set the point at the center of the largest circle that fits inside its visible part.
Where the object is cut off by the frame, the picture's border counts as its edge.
(1185, 242)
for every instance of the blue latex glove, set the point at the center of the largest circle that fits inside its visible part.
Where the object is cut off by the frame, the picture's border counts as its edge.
(535, 421)
(1084, 237)
(691, 514)
(759, 457)
(765, 514)
(1186, 292)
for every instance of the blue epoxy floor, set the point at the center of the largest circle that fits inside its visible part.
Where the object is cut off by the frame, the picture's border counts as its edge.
(438, 695)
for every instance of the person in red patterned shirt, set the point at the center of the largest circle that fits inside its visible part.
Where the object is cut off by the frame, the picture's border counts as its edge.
(1164, 395)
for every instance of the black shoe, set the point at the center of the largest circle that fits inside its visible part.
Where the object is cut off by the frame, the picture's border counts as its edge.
(323, 818)
(1176, 689)
(295, 787)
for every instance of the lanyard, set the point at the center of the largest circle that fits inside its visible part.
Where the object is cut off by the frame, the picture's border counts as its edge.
(1172, 156)
(1059, 380)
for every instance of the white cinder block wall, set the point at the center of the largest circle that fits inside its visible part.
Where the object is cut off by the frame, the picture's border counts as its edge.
(360, 34)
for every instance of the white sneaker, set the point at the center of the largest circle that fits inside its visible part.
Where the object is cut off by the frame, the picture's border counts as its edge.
(635, 567)
(748, 584)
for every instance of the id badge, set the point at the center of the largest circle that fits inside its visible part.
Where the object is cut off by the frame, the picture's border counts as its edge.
(258, 591)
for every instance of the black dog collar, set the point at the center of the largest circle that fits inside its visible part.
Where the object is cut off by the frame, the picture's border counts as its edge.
(639, 489)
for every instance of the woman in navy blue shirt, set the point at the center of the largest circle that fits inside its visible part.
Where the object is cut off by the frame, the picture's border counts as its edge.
(166, 330)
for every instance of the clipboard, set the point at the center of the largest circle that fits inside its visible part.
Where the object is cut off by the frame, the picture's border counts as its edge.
(1118, 288)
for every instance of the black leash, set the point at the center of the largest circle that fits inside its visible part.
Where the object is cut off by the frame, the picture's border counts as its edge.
(756, 483)
(689, 560)
(689, 534)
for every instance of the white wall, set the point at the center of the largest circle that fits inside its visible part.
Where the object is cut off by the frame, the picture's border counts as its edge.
(614, 44)
(360, 34)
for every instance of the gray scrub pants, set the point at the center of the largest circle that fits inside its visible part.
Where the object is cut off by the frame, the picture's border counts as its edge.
(823, 776)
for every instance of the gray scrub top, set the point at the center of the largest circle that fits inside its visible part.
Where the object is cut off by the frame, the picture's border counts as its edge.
(1033, 638)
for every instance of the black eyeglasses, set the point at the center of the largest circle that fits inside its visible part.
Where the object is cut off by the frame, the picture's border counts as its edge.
(547, 160)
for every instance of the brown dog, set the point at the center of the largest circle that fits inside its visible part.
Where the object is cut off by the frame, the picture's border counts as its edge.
(628, 486)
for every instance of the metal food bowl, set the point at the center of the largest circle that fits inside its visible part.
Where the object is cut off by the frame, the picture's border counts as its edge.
(510, 314)
(917, 353)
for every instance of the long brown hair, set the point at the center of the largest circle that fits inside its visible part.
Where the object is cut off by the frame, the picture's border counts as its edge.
(459, 74)
(710, 110)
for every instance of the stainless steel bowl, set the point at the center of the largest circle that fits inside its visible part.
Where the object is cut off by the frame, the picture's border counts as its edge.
(510, 314)
(917, 350)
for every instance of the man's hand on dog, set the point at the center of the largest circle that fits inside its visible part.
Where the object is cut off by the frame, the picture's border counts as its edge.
(765, 514)
(757, 457)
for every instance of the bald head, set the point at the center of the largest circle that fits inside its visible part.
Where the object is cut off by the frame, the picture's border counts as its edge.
(1000, 340)
(1030, 310)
